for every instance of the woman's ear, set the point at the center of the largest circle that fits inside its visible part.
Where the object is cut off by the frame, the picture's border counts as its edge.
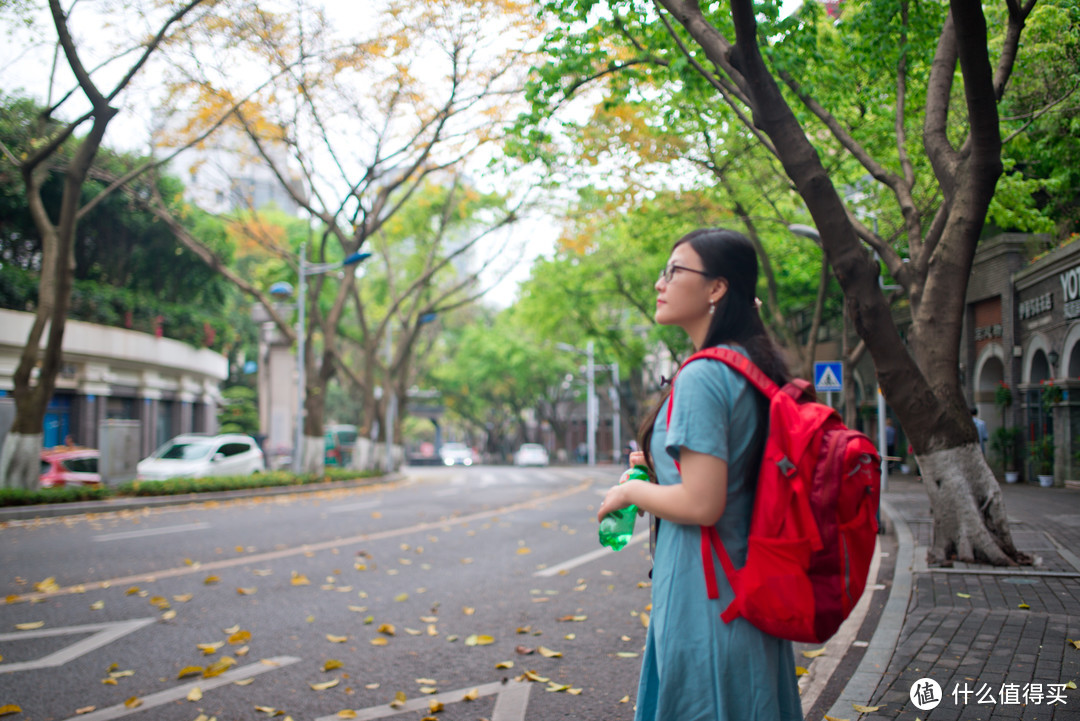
(719, 290)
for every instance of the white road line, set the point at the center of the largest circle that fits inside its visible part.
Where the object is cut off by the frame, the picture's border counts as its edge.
(142, 533)
(180, 692)
(588, 557)
(354, 506)
(104, 633)
(511, 700)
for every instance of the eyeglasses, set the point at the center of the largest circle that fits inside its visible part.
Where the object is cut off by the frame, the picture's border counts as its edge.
(668, 273)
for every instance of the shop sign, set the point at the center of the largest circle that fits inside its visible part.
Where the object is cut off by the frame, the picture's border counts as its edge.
(1070, 286)
(988, 332)
(1036, 306)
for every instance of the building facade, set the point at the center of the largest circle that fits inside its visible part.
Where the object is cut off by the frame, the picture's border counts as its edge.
(109, 373)
(1022, 334)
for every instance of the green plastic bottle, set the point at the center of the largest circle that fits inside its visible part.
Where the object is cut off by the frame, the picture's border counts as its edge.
(618, 526)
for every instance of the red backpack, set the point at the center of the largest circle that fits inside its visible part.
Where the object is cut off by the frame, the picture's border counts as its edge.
(814, 521)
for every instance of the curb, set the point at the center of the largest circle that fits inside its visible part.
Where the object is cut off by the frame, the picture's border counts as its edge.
(54, 510)
(862, 684)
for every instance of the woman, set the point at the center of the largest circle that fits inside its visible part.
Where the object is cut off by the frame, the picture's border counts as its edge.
(696, 667)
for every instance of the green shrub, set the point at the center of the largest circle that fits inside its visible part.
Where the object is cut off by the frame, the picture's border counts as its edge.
(63, 494)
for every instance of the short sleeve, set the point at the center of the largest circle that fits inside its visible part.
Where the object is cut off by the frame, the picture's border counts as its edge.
(704, 408)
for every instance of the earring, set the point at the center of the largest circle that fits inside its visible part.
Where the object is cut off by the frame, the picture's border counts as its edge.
(712, 307)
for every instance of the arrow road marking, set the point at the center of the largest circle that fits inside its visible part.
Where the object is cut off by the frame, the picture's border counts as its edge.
(104, 633)
(512, 697)
(180, 692)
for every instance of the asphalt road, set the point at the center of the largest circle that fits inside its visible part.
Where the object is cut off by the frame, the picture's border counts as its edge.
(423, 590)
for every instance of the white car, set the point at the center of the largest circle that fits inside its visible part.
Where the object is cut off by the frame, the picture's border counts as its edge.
(531, 454)
(453, 454)
(200, 456)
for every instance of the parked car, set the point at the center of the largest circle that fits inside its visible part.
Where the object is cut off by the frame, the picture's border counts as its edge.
(199, 456)
(531, 454)
(340, 440)
(67, 466)
(453, 454)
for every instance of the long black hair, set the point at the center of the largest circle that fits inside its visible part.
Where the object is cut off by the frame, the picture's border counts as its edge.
(730, 255)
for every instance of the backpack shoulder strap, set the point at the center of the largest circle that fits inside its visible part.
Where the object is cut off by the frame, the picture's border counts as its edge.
(740, 363)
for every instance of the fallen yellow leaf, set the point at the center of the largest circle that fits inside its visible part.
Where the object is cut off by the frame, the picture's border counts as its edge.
(160, 602)
(1071, 684)
(97, 605)
(428, 690)
(183, 597)
(1024, 606)
(574, 691)
(865, 709)
(336, 639)
(814, 653)
(833, 718)
(168, 615)
(88, 709)
(435, 706)
(189, 671)
(964, 595)
(504, 664)
(468, 610)
(399, 699)
(548, 653)
(211, 580)
(379, 641)
(29, 626)
(299, 579)
(347, 713)
(554, 687)
(219, 667)
(132, 591)
(1075, 644)
(10, 708)
(401, 597)
(800, 671)
(324, 685)
(247, 591)
(524, 550)
(471, 695)
(239, 637)
(387, 628)
(624, 699)
(133, 702)
(479, 640)
(626, 654)
(331, 664)
(244, 682)
(533, 676)
(209, 648)
(195, 694)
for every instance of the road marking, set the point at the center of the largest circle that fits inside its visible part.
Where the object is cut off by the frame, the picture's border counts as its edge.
(587, 557)
(180, 692)
(511, 699)
(447, 492)
(142, 533)
(354, 507)
(304, 549)
(104, 633)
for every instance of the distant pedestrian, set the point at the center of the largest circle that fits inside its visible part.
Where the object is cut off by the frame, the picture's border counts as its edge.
(980, 427)
(696, 666)
(890, 442)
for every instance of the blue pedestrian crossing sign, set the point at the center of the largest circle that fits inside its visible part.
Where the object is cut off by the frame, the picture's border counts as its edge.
(828, 376)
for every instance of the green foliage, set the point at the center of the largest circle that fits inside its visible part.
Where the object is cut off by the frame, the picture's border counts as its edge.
(1042, 452)
(176, 486)
(240, 411)
(1006, 444)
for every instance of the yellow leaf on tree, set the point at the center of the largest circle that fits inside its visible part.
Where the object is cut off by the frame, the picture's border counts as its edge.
(324, 685)
(814, 653)
(331, 664)
(195, 694)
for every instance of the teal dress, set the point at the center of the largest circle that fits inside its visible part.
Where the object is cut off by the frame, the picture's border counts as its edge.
(696, 667)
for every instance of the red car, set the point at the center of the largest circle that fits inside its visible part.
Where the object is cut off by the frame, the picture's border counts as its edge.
(64, 466)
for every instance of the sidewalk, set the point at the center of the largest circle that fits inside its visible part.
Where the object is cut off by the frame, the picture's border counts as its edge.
(993, 639)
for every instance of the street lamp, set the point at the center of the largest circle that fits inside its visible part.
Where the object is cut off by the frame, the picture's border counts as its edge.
(391, 399)
(592, 409)
(305, 269)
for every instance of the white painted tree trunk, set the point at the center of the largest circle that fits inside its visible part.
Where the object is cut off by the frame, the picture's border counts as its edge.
(20, 461)
(970, 523)
(312, 455)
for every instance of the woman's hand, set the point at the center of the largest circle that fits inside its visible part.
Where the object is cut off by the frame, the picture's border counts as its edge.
(637, 458)
(617, 497)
